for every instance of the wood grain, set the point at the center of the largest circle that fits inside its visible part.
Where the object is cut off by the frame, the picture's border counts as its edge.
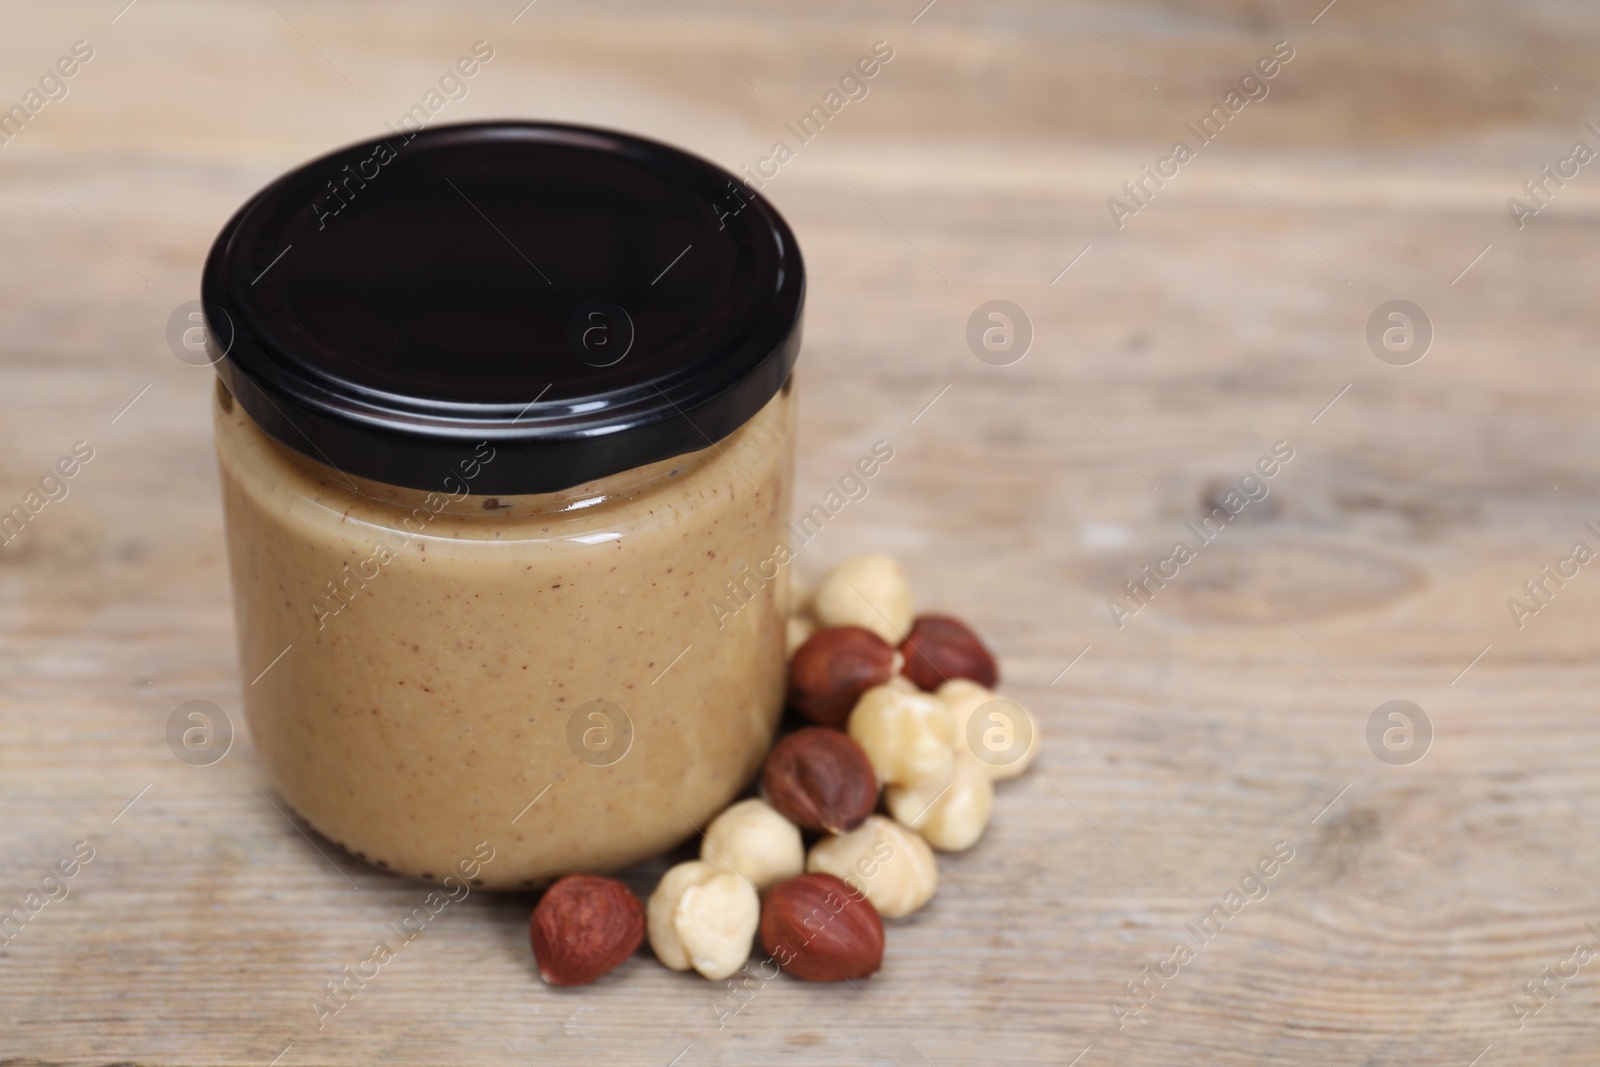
(1225, 717)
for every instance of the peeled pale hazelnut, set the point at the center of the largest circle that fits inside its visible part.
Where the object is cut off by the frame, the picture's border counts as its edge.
(893, 866)
(951, 816)
(819, 929)
(717, 922)
(830, 671)
(797, 632)
(866, 591)
(583, 928)
(1000, 733)
(940, 648)
(703, 917)
(752, 839)
(907, 736)
(661, 909)
(820, 780)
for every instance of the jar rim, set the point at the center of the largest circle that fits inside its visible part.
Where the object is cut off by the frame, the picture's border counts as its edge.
(384, 310)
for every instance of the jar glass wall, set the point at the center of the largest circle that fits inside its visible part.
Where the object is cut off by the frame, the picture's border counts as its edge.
(578, 678)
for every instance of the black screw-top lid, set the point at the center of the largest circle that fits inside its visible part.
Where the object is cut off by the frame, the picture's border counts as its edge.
(583, 300)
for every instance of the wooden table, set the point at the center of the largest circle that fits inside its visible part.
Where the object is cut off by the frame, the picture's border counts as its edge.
(1228, 715)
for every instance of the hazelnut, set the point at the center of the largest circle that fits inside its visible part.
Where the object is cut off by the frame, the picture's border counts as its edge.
(1003, 735)
(703, 917)
(893, 866)
(830, 671)
(819, 929)
(867, 591)
(940, 648)
(754, 840)
(583, 928)
(797, 632)
(907, 736)
(951, 816)
(820, 780)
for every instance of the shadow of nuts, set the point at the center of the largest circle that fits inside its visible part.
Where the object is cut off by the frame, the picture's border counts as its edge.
(819, 929)
(584, 927)
(940, 649)
(820, 780)
(833, 668)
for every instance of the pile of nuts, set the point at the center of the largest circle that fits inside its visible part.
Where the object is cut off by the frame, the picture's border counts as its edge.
(898, 705)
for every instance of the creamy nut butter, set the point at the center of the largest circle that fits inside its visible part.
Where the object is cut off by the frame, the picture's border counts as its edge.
(505, 446)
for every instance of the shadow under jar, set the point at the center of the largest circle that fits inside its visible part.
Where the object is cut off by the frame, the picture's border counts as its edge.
(505, 426)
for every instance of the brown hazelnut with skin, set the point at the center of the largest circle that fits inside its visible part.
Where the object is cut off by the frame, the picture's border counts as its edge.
(583, 928)
(940, 649)
(817, 928)
(833, 668)
(820, 780)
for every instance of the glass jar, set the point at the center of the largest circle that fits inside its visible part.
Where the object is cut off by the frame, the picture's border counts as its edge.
(507, 541)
